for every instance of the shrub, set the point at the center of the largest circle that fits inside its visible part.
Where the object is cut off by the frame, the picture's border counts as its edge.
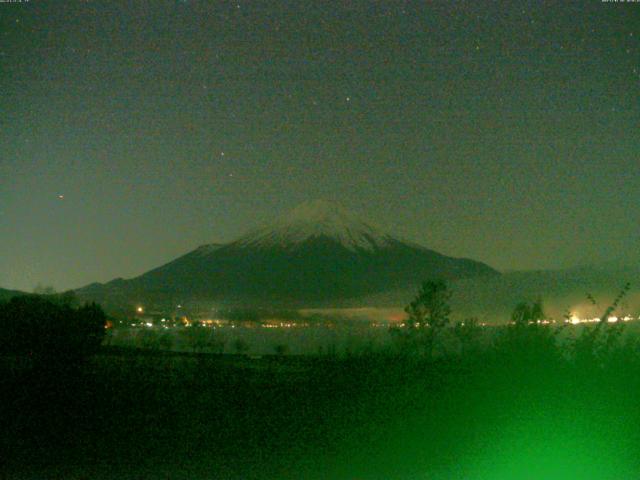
(527, 340)
(50, 328)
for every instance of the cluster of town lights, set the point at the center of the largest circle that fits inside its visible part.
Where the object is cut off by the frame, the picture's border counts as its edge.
(573, 319)
(284, 325)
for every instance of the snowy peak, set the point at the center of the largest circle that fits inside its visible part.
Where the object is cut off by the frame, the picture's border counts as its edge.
(319, 218)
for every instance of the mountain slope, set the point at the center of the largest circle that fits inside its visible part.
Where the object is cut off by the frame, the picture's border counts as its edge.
(318, 253)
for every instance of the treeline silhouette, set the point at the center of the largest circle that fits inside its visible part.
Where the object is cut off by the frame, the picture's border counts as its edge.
(50, 329)
(529, 338)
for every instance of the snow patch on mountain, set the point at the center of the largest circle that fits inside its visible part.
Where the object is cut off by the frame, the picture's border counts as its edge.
(319, 218)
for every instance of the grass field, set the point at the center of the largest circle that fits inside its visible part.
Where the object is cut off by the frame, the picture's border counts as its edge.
(130, 414)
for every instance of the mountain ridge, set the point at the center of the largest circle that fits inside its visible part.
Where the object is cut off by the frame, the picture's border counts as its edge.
(316, 254)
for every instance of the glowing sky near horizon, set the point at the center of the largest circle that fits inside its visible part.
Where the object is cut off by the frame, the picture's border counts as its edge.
(132, 132)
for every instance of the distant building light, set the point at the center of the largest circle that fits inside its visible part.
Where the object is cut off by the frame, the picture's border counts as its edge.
(139, 309)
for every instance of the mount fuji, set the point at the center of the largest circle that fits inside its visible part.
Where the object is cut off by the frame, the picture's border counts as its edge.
(316, 254)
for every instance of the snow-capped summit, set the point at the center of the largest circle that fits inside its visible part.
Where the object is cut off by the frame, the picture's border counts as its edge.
(318, 219)
(317, 254)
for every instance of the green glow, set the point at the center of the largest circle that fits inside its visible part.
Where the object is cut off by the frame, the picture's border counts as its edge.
(550, 445)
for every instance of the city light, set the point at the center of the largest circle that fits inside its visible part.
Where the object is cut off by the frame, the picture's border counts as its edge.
(575, 320)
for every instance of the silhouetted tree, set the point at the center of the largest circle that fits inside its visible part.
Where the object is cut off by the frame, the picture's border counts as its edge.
(430, 308)
(50, 329)
(527, 340)
(525, 313)
(428, 314)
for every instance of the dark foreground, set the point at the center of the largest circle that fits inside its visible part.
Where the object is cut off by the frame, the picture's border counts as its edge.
(137, 415)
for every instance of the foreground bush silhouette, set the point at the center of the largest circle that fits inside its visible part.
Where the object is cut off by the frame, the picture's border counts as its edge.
(467, 334)
(50, 329)
(526, 339)
(598, 345)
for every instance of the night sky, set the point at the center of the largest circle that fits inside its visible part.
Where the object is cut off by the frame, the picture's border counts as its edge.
(133, 132)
